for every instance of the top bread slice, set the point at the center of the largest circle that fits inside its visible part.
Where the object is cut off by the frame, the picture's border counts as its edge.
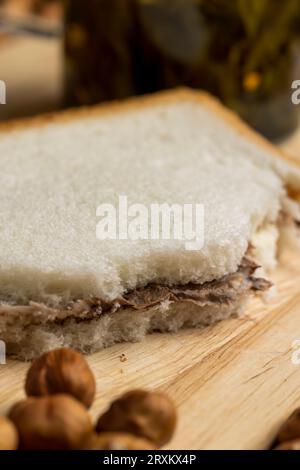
(179, 147)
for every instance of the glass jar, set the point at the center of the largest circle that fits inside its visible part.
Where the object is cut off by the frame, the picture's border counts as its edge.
(243, 51)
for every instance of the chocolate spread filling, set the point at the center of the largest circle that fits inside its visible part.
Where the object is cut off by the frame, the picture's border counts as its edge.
(224, 291)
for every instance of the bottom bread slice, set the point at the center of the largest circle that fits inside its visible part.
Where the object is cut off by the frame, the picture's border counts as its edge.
(92, 324)
(126, 326)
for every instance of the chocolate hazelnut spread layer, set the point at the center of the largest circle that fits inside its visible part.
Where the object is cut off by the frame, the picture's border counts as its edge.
(226, 290)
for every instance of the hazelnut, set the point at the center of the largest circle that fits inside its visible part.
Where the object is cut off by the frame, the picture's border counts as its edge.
(151, 415)
(61, 371)
(289, 445)
(8, 435)
(116, 441)
(291, 428)
(49, 423)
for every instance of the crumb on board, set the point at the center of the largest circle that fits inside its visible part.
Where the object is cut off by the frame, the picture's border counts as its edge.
(123, 358)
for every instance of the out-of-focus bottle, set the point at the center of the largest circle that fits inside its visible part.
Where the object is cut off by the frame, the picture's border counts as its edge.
(243, 51)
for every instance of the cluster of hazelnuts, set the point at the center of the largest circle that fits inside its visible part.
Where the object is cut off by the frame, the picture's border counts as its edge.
(60, 387)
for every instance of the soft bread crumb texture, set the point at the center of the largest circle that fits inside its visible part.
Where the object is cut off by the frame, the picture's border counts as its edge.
(176, 149)
(91, 325)
(124, 326)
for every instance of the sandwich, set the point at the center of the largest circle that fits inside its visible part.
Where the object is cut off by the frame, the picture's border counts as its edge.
(63, 285)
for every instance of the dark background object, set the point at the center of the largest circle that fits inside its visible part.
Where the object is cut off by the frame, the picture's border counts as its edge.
(243, 51)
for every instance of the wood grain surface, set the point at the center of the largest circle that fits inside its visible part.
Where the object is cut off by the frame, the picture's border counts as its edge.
(233, 383)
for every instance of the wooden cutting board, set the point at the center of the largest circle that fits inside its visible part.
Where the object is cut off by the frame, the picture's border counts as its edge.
(233, 383)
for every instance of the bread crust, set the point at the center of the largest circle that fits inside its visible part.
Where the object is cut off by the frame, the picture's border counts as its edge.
(131, 325)
(146, 101)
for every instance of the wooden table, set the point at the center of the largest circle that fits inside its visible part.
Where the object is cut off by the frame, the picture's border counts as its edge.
(233, 383)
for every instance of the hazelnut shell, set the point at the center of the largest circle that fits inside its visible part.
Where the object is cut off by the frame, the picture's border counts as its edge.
(289, 445)
(56, 422)
(151, 415)
(290, 430)
(9, 438)
(116, 441)
(61, 371)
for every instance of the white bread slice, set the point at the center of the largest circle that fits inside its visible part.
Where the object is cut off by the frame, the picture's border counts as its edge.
(175, 147)
(128, 325)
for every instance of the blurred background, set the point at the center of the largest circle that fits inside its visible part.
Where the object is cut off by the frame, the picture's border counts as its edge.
(60, 53)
